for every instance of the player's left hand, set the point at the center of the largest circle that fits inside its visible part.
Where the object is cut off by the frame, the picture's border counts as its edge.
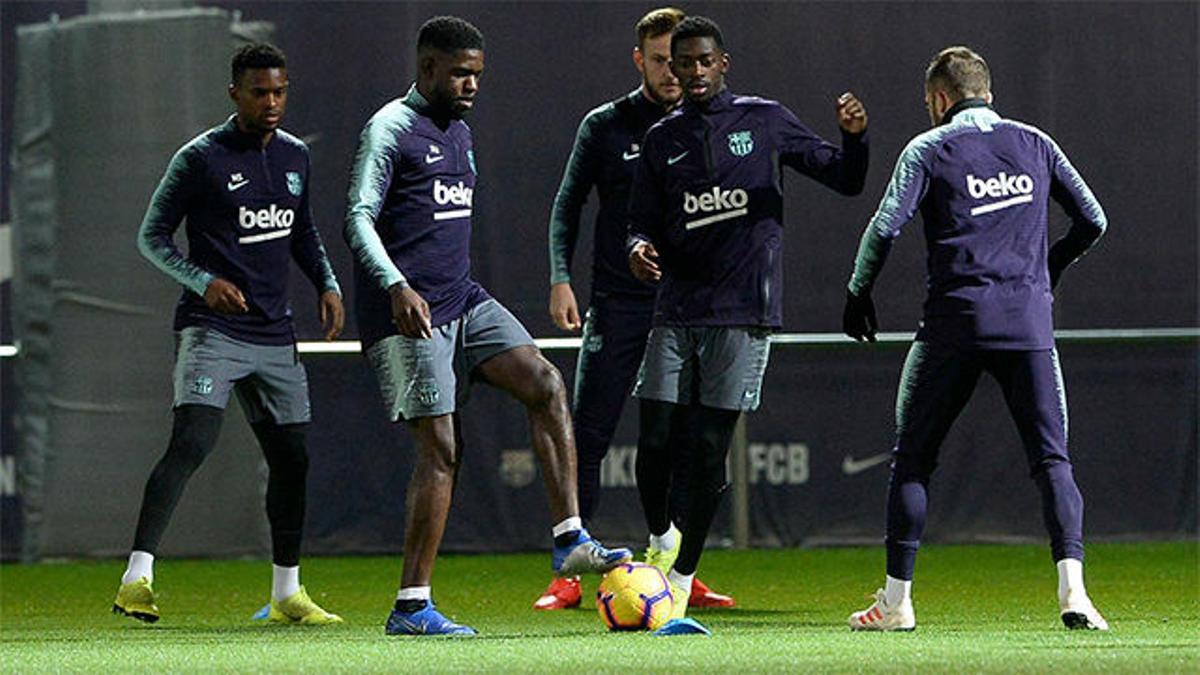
(851, 114)
(858, 318)
(333, 316)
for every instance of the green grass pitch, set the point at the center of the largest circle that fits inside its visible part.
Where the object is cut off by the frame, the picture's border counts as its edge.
(979, 608)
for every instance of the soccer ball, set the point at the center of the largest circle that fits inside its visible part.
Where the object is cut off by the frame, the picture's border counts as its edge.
(634, 596)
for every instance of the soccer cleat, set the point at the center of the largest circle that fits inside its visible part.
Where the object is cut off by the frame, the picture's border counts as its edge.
(296, 609)
(136, 599)
(587, 555)
(663, 560)
(425, 621)
(1078, 613)
(703, 596)
(684, 626)
(681, 597)
(562, 593)
(883, 618)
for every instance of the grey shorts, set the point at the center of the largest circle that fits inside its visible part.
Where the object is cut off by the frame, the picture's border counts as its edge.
(720, 367)
(427, 378)
(269, 379)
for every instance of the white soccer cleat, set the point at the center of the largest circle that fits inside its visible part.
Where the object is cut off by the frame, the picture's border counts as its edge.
(883, 618)
(1078, 613)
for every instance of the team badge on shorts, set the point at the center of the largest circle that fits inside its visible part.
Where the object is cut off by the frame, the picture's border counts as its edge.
(425, 392)
(593, 342)
(202, 385)
(295, 183)
(741, 143)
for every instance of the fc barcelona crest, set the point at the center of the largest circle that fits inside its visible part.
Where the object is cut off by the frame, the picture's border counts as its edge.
(295, 183)
(741, 143)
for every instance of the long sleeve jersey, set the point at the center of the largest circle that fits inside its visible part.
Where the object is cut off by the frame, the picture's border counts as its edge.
(982, 185)
(409, 215)
(247, 213)
(606, 152)
(709, 196)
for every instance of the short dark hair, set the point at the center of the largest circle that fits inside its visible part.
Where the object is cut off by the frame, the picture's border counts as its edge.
(657, 22)
(449, 34)
(959, 71)
(697, 27)
(255, 55)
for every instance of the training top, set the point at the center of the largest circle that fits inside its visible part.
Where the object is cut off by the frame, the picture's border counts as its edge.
(982, 184)
(709, 196)
(409, 215)
(607, 147)
(247, 213)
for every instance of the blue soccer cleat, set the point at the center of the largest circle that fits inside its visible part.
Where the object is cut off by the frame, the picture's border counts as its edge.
(425, 621)
(587, 555)
(682, 626)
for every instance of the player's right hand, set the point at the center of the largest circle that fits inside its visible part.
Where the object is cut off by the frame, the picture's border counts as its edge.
(410, 313)
(858, 318)
(224, 297)
(563, 307)
(643, 262)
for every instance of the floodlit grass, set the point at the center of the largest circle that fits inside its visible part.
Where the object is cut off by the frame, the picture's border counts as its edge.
(979, 608)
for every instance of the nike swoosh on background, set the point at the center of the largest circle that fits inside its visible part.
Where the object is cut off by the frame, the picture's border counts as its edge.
(672, 160)
(851, 466)
(430, 159)
(236, 186)
(630, 155)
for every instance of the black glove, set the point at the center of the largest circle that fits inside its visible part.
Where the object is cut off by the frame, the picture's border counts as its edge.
(858, 318)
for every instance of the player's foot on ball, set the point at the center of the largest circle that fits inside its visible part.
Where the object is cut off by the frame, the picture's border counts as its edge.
(703, 596)
(562, 593)
(1078, 613)
(136, 599)
(297, 608)
(425, 621)
(879, 616)
(585, 554)
(661, 559)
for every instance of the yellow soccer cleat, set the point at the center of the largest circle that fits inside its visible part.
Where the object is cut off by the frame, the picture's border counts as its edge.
(136, 599)
(663, 560)
(298, 609)
(681, 596)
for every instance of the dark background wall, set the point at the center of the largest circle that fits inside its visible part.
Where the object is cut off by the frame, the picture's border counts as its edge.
(1114, 83)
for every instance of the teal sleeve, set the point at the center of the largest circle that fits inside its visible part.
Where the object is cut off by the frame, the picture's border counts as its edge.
(1088, 222)
(577, 182)
(370, 178)
(168, 205)
(307, 248)
(900, 202)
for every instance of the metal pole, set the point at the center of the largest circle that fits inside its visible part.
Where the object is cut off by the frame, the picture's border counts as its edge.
(740, 465)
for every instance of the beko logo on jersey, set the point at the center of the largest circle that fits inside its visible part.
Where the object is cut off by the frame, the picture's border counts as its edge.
(724, 204)
(454, 195)
(271, 218)
(1018, 189)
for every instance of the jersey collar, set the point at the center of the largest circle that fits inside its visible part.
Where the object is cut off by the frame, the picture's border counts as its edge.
(965, 104)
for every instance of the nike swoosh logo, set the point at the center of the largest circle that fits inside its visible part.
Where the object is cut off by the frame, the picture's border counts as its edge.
(430, 159)
(627, 156)
(235, 186)
(851, 466)
(672, 160)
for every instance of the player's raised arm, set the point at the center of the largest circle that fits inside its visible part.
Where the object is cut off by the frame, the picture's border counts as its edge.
(843, 169)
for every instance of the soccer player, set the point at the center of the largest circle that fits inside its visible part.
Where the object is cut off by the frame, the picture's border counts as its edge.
(429, 329)
(706, 221)
(243, 188)
(982, 184)
(621, 306)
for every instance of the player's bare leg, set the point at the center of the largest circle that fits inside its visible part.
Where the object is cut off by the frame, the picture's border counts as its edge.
(429, 493)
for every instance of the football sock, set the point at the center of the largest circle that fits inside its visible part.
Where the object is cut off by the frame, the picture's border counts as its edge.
(141, 564)
(682, 422)
(193, 436)
(896, 591)
(706, 481)
(665, 541)
(412, 599)
(907, 503)
(285, 582)
(1062, 509)
(1070, 577)
(683, 581)
(287, 460)
(653, 464)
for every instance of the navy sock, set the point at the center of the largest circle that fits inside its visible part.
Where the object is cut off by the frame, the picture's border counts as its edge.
(410, 606)
(566, 538)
